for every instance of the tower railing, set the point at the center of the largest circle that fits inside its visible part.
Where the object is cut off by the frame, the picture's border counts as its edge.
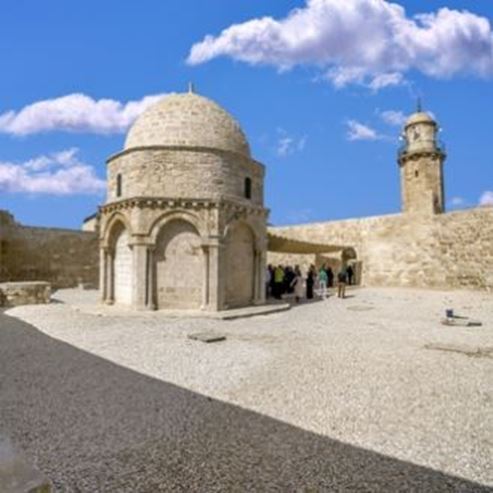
(439, 146)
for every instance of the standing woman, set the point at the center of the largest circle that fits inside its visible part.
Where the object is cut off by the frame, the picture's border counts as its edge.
(297, 284)
(310, 280)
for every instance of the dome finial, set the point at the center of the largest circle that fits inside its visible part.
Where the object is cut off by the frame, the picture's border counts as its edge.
(191, 88)
(419, 105)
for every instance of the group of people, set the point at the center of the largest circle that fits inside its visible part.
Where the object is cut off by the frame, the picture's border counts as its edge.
(282, 280)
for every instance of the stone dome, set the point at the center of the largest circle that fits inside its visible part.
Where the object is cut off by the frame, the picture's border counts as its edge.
(419, 117)
(189, 120)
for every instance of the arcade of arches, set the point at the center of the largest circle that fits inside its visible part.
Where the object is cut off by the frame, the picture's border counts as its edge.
(174, 262)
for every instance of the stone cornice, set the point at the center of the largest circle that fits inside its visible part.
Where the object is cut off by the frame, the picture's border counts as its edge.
(173, 203)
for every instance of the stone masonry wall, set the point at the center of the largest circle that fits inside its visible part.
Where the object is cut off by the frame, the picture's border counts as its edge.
(160, 172)
(62, 257)
(453, 250)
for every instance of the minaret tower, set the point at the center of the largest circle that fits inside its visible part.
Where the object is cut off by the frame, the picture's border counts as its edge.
(421, 161)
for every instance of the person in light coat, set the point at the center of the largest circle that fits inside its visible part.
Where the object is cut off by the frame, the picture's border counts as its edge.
(297, 284)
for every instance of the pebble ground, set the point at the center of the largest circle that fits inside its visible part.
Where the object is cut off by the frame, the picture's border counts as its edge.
(336, 395)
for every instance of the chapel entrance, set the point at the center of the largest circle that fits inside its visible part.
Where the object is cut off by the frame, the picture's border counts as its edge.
(179, 267)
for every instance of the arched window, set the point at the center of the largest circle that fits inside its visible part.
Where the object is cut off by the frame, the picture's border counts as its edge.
(118, 185)
(248, 188)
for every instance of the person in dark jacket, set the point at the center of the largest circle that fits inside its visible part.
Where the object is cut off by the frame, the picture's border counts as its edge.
(289, 276)
(350, 275)
(341, 282)
(310, 280)
(330, 276)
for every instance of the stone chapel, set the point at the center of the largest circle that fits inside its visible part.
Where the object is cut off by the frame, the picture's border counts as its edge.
(184, 223)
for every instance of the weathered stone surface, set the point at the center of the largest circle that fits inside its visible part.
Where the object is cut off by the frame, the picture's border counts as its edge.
(184, 226)
(187, 119)
(24, 293)
(62, 257)
(452, 250)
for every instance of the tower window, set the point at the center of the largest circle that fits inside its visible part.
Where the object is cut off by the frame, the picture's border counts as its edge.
(118, 185)
(248, 188)
(416, 173)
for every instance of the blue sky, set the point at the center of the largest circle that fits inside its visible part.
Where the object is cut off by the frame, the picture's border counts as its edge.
(319, 91)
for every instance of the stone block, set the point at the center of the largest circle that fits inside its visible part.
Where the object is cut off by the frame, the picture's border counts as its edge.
(24, 293)
(207, 337)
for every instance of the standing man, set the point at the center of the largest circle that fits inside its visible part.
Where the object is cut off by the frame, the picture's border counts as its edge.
(341, 282)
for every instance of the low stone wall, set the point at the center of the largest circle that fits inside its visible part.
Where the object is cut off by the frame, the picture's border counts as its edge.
(63, 257)
(453, 250)
(24, 293)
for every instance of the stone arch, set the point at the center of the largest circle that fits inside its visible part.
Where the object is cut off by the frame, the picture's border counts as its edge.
(179, 265)
(240, 264)
(122, 258)
(349, 256)
(116, 220)
(176, 215)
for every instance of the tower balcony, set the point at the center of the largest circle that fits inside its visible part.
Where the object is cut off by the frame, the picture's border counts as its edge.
(436, 146)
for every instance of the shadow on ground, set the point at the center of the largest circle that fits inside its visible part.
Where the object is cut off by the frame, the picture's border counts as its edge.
(93, 426)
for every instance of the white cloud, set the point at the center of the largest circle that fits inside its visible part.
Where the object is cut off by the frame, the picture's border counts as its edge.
(486, 198)
(75, 113)
(386, 80)
(457, 201)
(300, 216)
(391, 117)
(359, 131)
(60, 173)
(288, 145)
(371, 42)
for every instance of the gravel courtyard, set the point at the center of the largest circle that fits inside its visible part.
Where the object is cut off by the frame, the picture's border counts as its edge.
(370, 393)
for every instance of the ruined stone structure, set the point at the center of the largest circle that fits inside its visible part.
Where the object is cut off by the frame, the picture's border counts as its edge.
(63, 257)
(421, 247)
(184, 225)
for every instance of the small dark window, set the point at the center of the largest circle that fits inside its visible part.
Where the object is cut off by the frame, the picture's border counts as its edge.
(248, 188)
(416, 173)
(118, 185)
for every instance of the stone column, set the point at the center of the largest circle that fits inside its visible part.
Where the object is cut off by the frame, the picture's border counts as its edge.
(206, 275)
(256, 275)
(262, 264)
(110, 277)
(216, 276)
(150, 294)
(139, 275)
(103, 289)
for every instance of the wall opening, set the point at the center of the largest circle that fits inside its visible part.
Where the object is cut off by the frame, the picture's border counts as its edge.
(118, 185)
(248, 188)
